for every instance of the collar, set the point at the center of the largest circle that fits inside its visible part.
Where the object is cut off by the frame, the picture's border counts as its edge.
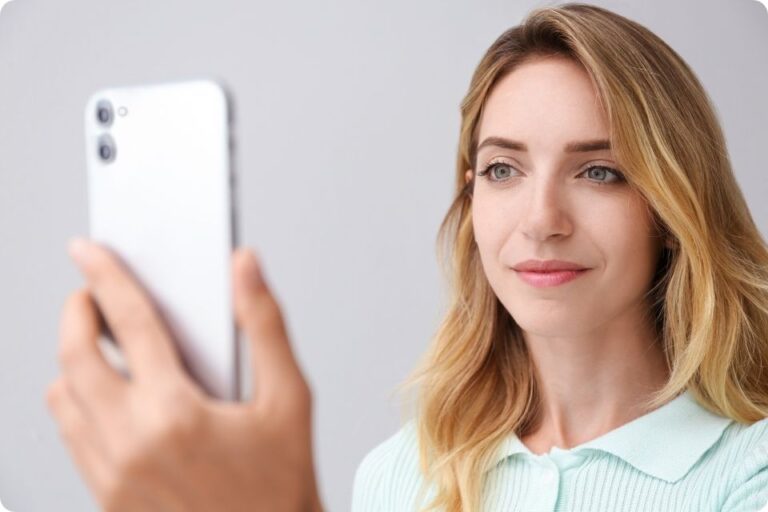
(664, 443)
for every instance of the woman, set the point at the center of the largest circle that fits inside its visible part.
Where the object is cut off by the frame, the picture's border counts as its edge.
(630, 379)
(633, 375)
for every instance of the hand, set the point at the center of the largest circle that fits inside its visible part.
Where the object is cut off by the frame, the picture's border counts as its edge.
(156, 442)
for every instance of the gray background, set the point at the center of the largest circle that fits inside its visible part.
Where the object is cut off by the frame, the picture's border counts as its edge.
(347, 122)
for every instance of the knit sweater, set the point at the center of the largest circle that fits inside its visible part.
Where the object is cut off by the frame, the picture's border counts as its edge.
(678, 457)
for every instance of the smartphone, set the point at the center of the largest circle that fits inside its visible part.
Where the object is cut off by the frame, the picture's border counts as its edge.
(161, 192)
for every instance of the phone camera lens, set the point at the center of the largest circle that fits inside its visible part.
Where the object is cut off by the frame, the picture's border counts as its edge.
(106, 147)
(104, 112)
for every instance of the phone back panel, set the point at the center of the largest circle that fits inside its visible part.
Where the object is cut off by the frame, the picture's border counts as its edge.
(164, 205)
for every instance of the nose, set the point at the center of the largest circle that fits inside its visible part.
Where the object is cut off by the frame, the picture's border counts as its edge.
(545, 215)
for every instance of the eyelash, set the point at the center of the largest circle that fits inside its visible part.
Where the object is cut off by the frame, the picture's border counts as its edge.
(619, 176)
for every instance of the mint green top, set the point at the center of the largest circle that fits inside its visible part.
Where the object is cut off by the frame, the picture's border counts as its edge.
(679, 457)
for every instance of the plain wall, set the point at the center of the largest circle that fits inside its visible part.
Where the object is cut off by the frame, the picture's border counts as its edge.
(347, 128)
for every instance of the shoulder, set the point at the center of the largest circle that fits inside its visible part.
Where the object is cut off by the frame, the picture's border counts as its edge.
(746, 443)
(748, 447)
(386, 470)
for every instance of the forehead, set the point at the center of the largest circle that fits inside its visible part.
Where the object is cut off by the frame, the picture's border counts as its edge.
(545, 99)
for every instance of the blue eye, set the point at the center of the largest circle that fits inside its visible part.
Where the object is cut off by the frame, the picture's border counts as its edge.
(600, 178)
(604, 172)
(492, 167)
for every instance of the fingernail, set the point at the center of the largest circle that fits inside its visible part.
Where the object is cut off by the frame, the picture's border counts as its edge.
(78, 250)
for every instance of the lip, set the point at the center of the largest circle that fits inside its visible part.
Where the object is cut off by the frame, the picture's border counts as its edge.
(547, 266)
(550, 278)
(546, 273)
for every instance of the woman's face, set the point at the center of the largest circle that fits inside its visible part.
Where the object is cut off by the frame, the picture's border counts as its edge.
(541, 201)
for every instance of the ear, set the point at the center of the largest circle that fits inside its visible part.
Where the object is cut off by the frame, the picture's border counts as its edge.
(468, 175)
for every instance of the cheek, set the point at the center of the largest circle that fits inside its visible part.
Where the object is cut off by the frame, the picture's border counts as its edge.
(493, 221)
(629, 245)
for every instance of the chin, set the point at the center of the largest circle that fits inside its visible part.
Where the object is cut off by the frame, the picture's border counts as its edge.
(549, 322)
(546, 329)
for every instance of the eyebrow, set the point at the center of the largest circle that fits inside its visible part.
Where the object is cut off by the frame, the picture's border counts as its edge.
(571, 147)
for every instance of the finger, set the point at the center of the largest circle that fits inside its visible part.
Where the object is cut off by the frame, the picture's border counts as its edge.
(129, 311)
(96, 385)
(274, 367)
(90, 455)
(76, 434)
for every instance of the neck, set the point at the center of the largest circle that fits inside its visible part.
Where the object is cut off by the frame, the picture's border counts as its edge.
(593, 383)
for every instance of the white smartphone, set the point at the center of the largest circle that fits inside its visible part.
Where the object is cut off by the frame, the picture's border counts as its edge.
(161, 195)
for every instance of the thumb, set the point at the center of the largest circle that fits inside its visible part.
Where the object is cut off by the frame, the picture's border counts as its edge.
(258, 315)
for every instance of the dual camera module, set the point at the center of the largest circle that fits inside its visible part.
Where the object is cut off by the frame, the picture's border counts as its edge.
(106, 144)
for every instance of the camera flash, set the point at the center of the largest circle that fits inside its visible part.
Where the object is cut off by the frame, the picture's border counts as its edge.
(122, 111)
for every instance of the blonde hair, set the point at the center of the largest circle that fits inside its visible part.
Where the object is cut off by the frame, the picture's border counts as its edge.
(709, 298)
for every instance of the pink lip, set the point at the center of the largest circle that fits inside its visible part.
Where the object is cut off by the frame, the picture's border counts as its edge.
(547, 265)
(551, 278)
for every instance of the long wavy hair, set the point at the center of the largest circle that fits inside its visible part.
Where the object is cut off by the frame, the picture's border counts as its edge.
(476, 383)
